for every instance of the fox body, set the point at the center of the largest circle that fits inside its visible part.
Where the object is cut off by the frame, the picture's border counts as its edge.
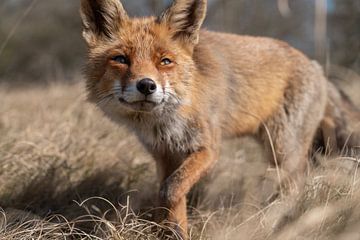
(182, 90)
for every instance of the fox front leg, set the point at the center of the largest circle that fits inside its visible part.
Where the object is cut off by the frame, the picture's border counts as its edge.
(175, 188)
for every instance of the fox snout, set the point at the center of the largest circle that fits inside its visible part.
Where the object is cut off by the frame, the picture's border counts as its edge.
(142, 94)
(146, 86)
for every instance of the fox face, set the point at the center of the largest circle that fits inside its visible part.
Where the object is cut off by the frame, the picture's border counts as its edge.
(140, 65)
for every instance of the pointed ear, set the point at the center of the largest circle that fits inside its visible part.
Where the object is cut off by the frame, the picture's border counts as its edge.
(185, 18)
(101, 19)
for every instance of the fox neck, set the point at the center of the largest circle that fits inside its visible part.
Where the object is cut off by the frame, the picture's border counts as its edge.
(168, 132)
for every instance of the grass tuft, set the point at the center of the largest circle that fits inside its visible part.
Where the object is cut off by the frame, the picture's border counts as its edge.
(57, 152)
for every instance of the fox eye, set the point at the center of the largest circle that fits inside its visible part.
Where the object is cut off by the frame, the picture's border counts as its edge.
(120, 59)
(165, 61)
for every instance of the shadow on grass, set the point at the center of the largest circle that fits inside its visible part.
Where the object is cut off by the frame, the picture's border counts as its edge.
(42, 196)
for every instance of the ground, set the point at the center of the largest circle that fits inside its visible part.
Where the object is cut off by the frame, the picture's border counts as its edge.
(66, 172)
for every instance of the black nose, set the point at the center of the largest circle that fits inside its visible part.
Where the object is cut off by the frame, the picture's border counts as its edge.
(146, 86)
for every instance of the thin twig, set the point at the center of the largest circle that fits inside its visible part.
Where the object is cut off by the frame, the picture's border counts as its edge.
(16, 26)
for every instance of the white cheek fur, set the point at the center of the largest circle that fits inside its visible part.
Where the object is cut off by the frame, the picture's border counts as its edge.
(117, 89)
(131, 94)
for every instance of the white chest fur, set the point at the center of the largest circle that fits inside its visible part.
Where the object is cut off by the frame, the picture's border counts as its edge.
(171, 133)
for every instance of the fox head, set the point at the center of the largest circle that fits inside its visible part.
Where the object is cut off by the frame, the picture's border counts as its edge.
(140, 65)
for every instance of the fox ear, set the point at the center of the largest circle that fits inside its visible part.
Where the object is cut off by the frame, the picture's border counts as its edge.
(185, 18)
(101, 19)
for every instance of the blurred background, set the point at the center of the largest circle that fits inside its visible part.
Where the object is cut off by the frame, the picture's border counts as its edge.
(40, 40)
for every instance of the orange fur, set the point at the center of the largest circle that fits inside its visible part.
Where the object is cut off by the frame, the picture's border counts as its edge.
(214, 85)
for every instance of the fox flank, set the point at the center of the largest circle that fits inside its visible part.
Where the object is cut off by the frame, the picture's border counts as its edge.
(181, 90)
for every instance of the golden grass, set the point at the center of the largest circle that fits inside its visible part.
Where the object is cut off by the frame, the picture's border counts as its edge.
(66, 172)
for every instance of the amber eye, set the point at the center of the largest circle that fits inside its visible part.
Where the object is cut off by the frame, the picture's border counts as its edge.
(165, 61)
(120, 59)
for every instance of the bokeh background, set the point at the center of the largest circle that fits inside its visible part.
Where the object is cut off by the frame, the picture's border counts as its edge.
(40, 40)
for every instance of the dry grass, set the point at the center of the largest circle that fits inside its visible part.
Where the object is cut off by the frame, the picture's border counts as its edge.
(60, 159)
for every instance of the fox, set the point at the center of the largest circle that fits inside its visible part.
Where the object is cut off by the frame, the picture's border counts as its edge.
(182, 89)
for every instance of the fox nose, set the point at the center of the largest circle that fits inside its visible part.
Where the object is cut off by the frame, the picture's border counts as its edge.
(146, 86)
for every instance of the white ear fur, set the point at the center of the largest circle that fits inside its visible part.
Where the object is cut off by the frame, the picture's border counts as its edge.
(185, 18)
(101, 18)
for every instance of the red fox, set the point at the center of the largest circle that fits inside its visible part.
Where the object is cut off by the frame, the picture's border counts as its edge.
(182, 90)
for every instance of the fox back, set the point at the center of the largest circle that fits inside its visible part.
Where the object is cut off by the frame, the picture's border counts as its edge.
(239, 81)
